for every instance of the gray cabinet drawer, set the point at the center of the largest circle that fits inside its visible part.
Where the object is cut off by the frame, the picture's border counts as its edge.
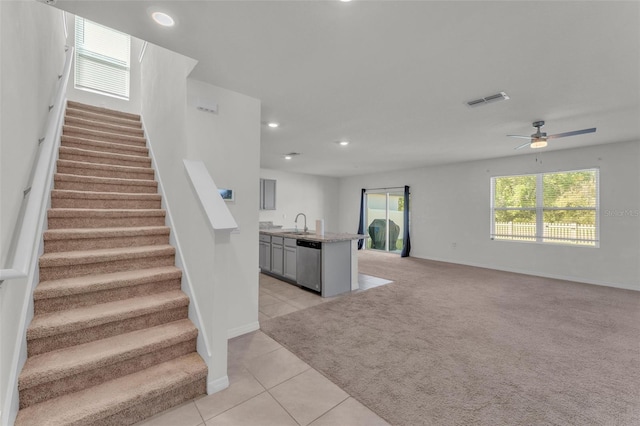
(276, 240)
(265, 238)
(290, 242)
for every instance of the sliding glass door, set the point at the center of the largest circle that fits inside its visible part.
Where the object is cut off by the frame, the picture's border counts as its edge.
(384, 219)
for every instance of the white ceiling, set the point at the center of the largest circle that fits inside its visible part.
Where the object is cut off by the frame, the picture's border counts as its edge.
(393, 77)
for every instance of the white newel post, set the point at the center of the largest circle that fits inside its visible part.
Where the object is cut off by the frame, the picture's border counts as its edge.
(218, 378)
(222, 223)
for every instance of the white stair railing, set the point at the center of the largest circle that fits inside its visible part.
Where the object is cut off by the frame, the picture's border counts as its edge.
(35, 195)
(25, 247)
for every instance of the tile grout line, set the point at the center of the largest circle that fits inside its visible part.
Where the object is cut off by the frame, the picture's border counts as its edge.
(332, 408)
(276, 399)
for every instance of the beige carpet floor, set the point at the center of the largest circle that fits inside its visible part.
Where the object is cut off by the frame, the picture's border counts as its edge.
(448, 344)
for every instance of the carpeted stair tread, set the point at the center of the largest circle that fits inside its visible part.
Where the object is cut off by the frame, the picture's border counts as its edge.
(102, 126)
(70, 239)
(78, 199)
(103, 136)
(102, 111)
(103, 118)
(77, 167)
(102, 146)
(71, 258)
(96, 180)
(75, 320)
(65, 218)
(94, 195)
(94, 283)
(103, 157)
(88, 213)
(80, 233)
(61, 363)
(91, 405)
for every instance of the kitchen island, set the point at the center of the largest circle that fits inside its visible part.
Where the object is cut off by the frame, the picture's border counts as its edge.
(326, 264)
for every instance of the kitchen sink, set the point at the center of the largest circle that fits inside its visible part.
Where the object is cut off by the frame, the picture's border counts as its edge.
(298, 233)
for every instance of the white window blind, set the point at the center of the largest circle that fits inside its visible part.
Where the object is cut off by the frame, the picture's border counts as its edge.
(102, 59)
(558, 207)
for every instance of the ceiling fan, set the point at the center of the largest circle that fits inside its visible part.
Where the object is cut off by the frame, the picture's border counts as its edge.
(539, 138)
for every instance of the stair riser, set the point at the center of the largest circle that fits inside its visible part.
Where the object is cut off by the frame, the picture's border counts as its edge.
(152, 406)
(67, 271)
(78, 203)
(102, 374)
(56, 246)
(80, 171)
(103, 111)
(101, 118)
(129, 162)
(98, 136)
(113, 149)
(64, 340)
(105, 187)
(102, 126)
(63, 303)
(104, 222)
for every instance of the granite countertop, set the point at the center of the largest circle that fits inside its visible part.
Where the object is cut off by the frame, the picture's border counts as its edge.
(328, 237)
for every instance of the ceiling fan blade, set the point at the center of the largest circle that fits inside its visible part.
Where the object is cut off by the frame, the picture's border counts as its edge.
(574, 133)
(523, 145)
(519, 136)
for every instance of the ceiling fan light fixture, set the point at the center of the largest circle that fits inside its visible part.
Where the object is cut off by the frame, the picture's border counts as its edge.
(538, 143)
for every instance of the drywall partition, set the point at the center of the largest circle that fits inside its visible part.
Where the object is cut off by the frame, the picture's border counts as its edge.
(315, 196)
(450, 214)
(163, 91)
(228, 143)
(32, 49)
(32, 44)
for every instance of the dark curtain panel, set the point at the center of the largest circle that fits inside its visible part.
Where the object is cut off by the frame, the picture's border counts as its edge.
(407, 242)
(361, 224)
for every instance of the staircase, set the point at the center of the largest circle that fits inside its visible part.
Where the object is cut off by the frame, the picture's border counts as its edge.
(110, 342)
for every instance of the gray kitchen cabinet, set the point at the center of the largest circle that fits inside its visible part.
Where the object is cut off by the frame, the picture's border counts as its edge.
(290, 259)
(265, 253)
(267, 194)
(277, 255)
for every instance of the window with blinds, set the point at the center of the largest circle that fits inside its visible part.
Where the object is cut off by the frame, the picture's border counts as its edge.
(102, 59)
(558, 207)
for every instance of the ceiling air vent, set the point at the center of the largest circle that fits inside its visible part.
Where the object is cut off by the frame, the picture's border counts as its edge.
(488, 99)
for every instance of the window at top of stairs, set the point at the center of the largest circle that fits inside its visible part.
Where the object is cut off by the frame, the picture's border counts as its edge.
(102, 59)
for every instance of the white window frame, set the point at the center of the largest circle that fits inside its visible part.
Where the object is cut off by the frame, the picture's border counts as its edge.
(539, 210)
(98, 58)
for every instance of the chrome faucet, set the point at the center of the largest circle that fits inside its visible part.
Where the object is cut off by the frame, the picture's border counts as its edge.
(305, 221)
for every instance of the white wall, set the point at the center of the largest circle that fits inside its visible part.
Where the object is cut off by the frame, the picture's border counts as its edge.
(451, 204)
(315, 196)
(132, 105)
(32, 50)
(229, 144)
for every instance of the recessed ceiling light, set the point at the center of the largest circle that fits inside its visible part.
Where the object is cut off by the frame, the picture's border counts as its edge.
(345, 1)
(343, 143)
(273, 125)
(163, 19)
(290, 155)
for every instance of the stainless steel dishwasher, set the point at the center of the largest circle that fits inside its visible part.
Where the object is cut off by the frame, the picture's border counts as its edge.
(309, 264)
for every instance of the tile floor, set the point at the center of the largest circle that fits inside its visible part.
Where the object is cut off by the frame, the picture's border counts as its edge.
(270, 385)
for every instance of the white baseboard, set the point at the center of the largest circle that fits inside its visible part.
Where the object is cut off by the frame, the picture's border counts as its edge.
(244, 329)
(217, 385)
(539, 274)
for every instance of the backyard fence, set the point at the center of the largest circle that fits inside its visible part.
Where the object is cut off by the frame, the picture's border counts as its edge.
(553, 232)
